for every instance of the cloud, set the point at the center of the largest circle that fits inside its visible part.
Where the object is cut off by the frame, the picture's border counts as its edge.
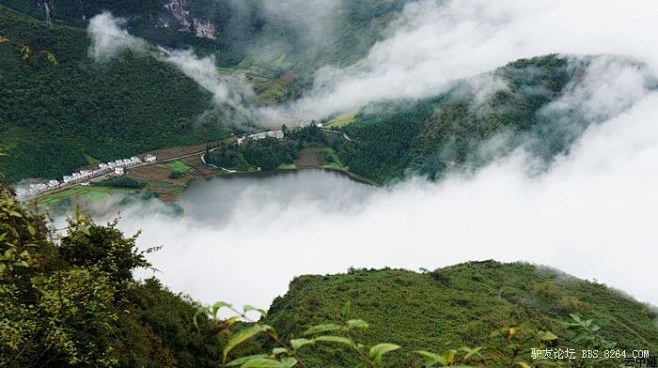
(435, 42)
(109, 38)
(229, 90)
(591, 215)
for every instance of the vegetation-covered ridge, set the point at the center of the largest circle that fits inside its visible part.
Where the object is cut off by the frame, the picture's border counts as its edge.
(54, 119)
(473, 304)
(475, 121)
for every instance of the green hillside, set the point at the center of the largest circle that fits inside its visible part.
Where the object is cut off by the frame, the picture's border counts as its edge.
(55, 118)
(277, 49)
(471, 304)
(448, 131)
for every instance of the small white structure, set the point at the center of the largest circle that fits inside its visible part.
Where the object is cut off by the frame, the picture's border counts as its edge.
(53, 183)
(133, 161)
(277, 134)
(149, 158)
(102, 166)
(67, 179)
(119, 171)
(38, 187)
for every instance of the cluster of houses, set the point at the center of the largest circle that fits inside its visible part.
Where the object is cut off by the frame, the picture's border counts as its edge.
(112, 168)
(278, 134)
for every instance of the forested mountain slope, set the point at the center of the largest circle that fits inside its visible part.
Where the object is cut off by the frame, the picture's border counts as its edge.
(55, 118)
(265, 37)
(533, 103)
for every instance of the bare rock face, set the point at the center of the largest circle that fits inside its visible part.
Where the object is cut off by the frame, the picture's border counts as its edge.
(205, 29)
(179, 10)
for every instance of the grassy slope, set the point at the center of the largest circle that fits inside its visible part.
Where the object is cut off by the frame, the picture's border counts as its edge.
(53, 118)
(461, 306)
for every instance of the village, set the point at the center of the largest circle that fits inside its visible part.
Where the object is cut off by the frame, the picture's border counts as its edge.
(105, 170)
(84, 176)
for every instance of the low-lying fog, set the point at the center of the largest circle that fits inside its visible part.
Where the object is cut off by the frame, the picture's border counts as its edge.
(593, 215)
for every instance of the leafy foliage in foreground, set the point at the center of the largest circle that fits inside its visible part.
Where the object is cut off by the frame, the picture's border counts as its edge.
(72, 301)
(54, 119)
(520, 347)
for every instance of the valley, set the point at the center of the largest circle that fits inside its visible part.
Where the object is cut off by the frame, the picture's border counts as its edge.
(328, 183)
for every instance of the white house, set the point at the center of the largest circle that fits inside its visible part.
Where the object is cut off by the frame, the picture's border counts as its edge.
(278, 134)
(119, 171)
(149, 158)
(53, 183)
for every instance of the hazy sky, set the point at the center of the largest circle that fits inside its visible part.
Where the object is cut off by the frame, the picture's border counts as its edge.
(593, 214)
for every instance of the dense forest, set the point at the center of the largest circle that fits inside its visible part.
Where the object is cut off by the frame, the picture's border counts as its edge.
(55, 118)
(275, 46)
(450, 131)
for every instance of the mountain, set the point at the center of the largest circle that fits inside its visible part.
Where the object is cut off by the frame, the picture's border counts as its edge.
(280, 44)
(55, 118)
(472, 304)
(532, 103)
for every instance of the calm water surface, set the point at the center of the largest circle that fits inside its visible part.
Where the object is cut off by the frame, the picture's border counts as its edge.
(216, 200)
